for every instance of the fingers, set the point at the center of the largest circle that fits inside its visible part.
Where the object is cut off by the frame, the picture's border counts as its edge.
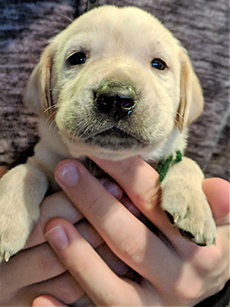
(144, 192)
(30, 266)
(129, 239)
(140, 181)
(40, 262)
(124, 234)
(39, 270)
(56, 205)
(87, 267)
(217, 192)
(47, 301)
(80, 259)
(112, 187)
(64, 288)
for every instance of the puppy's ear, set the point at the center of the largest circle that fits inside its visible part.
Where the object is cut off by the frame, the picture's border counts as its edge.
(37, 96)
(192, 100)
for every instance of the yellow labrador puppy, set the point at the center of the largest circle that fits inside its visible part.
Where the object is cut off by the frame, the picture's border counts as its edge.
(114, 84)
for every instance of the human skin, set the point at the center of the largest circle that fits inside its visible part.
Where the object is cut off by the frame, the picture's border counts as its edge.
(174, 272)
(37, 270)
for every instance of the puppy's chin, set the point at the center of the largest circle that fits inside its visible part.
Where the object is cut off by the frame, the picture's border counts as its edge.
(116, 140)
(112, 144)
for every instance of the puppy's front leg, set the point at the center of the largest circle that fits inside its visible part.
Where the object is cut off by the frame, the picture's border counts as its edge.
(186, 204)
(21, 192)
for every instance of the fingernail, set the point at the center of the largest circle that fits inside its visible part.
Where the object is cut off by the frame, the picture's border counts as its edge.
(57, 237)
(112, 187)
(68, 174)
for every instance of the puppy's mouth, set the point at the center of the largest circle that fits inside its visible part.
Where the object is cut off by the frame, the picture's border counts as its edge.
(115, 139)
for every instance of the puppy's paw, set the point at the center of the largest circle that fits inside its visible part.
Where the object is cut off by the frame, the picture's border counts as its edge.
(188, 209)
(21, 192)
(15, 228)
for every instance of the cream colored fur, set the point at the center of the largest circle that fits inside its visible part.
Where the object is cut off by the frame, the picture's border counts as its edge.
(119, 44)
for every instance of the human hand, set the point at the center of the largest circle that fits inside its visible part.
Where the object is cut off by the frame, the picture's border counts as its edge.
(173, 271)
(37, 270)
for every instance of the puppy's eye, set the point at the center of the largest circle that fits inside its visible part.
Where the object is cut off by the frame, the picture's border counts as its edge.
(159, 64)
(77, 58)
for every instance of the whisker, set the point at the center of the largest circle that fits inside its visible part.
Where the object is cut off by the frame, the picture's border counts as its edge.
(66, 17)
(178, 124)
(182, 117)
(175, 120)
(51, 124)
(92, 167)
(50, 116)
(50, 108)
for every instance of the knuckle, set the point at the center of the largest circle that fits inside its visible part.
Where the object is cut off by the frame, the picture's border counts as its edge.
(153, 195)
(212, 260)
(68, 289)
(96, 207)
(68, 294)
(215, 259)
(187, 288)
(133, 248)
(187, 293)
(149, 198)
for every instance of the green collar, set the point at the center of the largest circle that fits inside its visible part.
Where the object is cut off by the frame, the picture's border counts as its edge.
(163, 166)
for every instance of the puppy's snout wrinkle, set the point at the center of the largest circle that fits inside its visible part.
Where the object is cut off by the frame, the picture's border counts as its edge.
(115, 99)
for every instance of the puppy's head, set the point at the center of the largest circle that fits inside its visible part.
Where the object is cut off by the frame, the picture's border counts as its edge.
(116, 83)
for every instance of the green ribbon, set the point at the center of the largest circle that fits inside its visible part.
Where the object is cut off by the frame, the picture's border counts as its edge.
(163, 166)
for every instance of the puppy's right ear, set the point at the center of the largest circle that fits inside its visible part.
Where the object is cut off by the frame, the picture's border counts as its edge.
(37, 95)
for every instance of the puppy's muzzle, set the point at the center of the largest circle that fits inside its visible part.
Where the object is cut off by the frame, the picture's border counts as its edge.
(116, 99)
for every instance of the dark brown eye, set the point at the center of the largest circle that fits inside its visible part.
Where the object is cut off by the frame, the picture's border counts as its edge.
(77, 58)
(159, 64)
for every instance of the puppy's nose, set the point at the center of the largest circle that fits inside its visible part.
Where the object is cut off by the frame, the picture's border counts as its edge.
(116, 105)
(115, 98)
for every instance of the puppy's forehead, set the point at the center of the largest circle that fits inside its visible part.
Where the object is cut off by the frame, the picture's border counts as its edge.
(121, 24)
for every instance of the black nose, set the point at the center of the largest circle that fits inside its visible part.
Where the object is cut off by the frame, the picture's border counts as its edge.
(115, 99)
(115, 105)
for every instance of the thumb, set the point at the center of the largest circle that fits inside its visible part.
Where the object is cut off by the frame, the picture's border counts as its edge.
(218, 195)
(47, 301)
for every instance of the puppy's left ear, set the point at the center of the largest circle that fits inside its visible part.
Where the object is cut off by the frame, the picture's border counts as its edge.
(192, 100)
(37, 96)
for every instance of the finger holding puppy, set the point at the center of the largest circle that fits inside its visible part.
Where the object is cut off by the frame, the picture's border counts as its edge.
(58, 205)
(179, 275)
(94, 206)
(131, 241)
(145, 194)
(37, 270)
